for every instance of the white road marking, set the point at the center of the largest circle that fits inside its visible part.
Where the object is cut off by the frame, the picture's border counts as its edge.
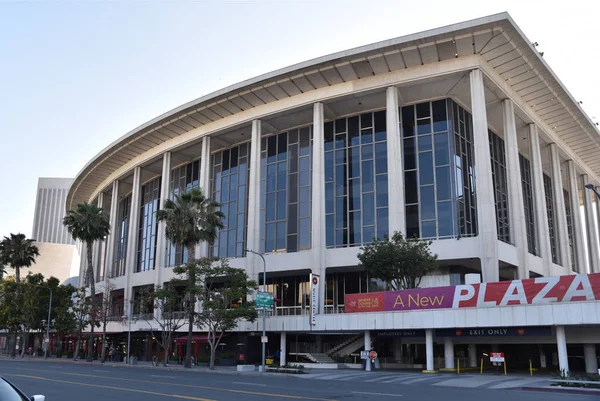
(384, 394)
(250, 384)
(167, 377)
(101, 371)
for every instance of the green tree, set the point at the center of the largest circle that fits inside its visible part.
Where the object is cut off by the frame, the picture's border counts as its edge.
(82, 309)
(190, 219)
(105, 310)
(10, 316)
(18, 252)
(169, 304)
(88, 223)
(398, 261)
(223, 296)
(62, 313)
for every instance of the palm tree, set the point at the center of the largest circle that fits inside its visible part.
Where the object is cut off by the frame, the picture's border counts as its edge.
(190, 219)
(17, 252)
(88, 224)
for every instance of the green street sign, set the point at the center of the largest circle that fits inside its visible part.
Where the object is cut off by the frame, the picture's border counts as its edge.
(264, 300)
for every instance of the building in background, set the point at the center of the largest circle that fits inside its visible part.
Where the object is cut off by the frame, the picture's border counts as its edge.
(461, 135)
(59, 254)
(50, 210)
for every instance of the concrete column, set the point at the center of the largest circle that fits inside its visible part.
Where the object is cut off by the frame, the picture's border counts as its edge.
(368, 348)
(578, 235)
(486, 205)
(283, 349)
(204, 184)
(591, 360)
(561, 343)
(253, 262)
(590, 226)
(539, 200)
(560, 213)
(318, 237)
(449, 353)
(132, 236)
(397, 211)
(516, 209)
(161, 240)
(429, 349)
(97, 249)
(472, 355)
(111, 239)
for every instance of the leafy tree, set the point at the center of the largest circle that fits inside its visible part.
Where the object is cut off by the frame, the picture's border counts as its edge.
(82, 308)
(398, 261)
(10, 315)
(224, 300)
(169, 305)
(63, 314)
(34, 307)
(88, 223)
(18, 252)
(190, 219)
(105, 310)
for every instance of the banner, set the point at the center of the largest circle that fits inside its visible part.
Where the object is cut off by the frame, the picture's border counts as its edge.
(535, 291)
(314, 298)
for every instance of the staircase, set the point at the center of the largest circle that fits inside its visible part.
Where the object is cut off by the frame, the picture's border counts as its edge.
(319, 358)
(347, 347)
(348, 340)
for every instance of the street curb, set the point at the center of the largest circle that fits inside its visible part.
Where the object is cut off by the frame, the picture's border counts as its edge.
(557, 389)
(121, 365)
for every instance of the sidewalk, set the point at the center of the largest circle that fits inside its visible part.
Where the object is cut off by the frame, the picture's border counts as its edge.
(231, 370)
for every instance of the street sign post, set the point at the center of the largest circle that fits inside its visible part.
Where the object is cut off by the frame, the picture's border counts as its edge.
(264, 300)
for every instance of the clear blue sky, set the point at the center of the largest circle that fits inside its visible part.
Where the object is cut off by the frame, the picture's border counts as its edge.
(74, 76)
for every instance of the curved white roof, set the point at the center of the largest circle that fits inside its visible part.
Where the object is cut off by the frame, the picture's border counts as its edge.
(496, 38)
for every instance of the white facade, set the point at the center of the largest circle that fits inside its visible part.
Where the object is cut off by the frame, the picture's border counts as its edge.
(485, 68)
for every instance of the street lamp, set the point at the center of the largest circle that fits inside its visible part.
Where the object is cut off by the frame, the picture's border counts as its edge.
(128, 319)
(593, 188)
(47, 340)
(264, 331)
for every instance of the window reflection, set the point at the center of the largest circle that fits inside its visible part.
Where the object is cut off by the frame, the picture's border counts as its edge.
(229, 182)
(121, 236)
(498, 157)
(286, 170)
(356, 182)
(148, 225)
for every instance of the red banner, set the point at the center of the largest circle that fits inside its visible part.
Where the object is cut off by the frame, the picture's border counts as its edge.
(370, 302)
(534, 291)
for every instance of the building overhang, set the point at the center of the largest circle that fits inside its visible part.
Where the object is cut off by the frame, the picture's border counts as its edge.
(496, 39)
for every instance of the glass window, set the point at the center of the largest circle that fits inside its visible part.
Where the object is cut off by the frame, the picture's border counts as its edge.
(122, 236)
(148, 224)
(230, 174)
(356, 180)
(288, 200)
(500, 186)
(550, 215)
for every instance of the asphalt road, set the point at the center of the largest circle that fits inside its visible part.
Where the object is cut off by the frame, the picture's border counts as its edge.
(70, 382)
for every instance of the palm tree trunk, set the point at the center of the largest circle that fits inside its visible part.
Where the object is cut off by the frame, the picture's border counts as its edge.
(92, 282)
(18, 280)
(191, 307)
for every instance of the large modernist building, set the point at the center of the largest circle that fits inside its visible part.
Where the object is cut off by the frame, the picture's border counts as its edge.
(462, 135)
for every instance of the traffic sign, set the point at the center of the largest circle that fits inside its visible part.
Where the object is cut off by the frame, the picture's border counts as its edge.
(264, 339)
(373, 355)
(497, 357)
(264, 300)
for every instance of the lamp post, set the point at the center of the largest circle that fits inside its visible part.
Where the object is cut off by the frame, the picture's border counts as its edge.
(128, 319)
(593, 188)
(264, 319)
(47, 344)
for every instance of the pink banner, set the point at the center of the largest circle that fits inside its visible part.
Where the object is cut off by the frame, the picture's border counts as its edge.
(535, 291)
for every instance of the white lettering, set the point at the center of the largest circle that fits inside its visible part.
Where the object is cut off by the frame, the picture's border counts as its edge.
(481, 297)
(462, 293)
(586, 288)
(511, 295)
(540, 298)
